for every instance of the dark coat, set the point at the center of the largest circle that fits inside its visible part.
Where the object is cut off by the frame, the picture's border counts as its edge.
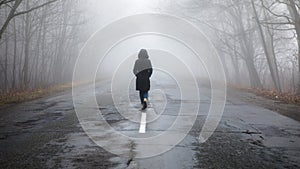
(143, 71)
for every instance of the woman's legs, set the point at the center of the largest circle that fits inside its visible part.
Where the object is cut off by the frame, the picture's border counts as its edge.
(143, 96)
(146, 95)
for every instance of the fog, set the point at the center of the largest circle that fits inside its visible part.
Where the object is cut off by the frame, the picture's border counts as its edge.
(54, 42)
(168, 54)
(105, 12)
(229, 69)
(169, 50)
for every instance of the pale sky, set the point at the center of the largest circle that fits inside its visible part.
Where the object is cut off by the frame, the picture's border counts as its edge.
(106, 11)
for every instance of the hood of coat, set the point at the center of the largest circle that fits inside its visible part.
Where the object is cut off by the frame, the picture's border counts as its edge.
(143, 54)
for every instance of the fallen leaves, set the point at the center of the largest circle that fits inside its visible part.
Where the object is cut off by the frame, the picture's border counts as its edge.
(31, 94)
(275, 95)
(285, 97)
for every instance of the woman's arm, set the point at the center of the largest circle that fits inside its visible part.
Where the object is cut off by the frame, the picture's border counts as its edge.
(135, 71)
(150, 70)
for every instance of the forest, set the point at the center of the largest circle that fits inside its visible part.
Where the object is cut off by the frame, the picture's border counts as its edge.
(257, 40)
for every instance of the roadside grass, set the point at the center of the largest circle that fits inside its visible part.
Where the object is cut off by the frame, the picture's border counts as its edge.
(27, 95)
(287, 104)
(284, 97)
(14, 97)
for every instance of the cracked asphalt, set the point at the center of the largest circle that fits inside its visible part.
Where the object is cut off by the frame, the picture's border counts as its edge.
(46, 133)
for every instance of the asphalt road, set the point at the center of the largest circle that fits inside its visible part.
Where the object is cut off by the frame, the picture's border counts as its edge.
(46, 133)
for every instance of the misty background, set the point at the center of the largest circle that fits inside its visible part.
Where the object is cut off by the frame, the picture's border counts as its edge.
(258, 41)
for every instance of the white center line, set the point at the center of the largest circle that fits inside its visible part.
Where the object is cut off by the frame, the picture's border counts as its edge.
(143, 123)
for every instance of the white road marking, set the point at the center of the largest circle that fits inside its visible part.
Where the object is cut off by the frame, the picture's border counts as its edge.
(143, 123)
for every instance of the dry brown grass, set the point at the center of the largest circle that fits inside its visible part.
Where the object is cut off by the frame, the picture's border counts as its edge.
(285, 97)
(275, 95)
(27, 95)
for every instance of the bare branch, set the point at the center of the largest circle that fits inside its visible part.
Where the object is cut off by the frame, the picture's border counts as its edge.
(10, 16)
(278, 23)
(34, 8)
(275, 14)
(12, 13)
(2, 2)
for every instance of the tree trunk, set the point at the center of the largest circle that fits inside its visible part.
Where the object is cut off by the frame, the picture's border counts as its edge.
(246, 43)
(254, 78)
(43, 66)
(247, 49)
(6, 64)
(15, 57)
(20, 61)
(265, 47)
(296, 17)
(274, 60)
(235, 62)
(37, 53)
(58, 71)
(26, 49)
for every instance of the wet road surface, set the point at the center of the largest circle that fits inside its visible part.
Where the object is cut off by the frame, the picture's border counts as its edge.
(46, 133)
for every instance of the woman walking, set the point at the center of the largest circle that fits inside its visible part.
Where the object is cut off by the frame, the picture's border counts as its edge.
(143, 71)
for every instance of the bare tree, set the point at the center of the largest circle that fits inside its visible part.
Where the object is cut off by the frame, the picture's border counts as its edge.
(13, 13)
(270, 56)
(293, 19)
(250, 31)
(41, 41)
